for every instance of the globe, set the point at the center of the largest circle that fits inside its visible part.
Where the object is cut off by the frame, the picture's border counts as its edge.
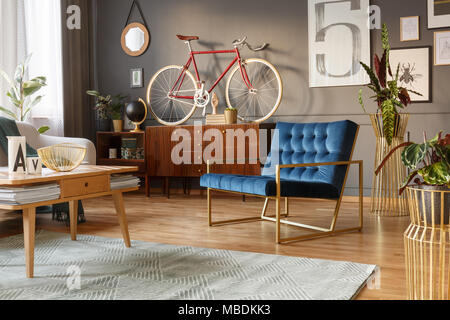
(136, 111)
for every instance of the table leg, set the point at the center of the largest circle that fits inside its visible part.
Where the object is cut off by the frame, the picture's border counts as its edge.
(73, 213)
(120, 210)
(29, 227)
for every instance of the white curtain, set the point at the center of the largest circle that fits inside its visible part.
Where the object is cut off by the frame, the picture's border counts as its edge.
(43, 41)
(12, 43)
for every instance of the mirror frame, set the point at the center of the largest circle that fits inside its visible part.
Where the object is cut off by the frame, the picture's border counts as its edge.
(146, 39)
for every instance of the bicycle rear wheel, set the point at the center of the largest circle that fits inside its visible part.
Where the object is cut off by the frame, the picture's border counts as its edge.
(166, 109)
(261, 102)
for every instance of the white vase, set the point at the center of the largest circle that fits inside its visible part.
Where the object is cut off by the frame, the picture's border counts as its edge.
(17, 155)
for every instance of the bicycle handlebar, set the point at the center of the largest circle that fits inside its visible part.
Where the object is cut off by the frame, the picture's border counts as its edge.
(239, 42)
(243, 42)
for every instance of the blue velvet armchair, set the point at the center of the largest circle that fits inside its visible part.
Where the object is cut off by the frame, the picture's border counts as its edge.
(306, 161)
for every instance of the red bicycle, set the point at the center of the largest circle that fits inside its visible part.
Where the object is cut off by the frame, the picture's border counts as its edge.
(254, 87)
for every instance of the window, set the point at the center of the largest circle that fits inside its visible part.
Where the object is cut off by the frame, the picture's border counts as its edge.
(34, 27)
(43, 41)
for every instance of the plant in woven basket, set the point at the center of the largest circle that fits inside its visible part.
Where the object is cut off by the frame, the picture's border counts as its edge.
(22, 93)
(388, 95)
(430, 160)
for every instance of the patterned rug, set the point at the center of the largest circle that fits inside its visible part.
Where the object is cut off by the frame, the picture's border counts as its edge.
(96, 268)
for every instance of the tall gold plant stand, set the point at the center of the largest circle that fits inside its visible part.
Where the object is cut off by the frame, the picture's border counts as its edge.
(427, 245)
(385, 200)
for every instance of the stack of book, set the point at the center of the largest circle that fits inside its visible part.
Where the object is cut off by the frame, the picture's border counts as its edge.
(215, 119)
(27, 195)
(124, 182)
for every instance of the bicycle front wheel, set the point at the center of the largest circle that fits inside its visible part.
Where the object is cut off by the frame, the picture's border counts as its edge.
(258, 103)
(167, 99)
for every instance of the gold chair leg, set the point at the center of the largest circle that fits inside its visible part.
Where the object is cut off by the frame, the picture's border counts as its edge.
(278, 204)
(286, 207)
(209, 207)
(264, 210)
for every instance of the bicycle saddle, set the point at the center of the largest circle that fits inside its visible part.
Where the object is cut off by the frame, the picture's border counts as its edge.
(187, 38)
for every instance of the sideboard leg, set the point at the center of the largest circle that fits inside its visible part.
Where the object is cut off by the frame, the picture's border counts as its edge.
(29, 227)
(120, 210)
(168, 187)
(147, 186)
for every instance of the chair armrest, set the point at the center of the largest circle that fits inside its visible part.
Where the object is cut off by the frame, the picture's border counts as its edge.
(306, 165)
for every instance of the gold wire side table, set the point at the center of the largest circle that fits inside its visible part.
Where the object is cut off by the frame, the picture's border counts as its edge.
(427, 244)
(385, 199)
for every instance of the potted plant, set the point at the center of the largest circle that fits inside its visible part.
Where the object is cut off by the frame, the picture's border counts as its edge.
(230, 115)
(387, 94)
(429, 163)
(21, 93)
(116, 111)
(390, 127)
(102, 104)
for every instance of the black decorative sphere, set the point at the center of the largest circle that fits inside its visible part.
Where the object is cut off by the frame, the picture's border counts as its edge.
(136, 111)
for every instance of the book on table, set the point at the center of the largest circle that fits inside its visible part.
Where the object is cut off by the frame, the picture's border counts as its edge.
(30, 194)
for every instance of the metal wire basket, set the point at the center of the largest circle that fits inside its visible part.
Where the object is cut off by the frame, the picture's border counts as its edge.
(63, 157)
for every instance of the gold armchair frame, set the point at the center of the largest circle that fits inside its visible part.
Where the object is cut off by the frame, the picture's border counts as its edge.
(319, 231)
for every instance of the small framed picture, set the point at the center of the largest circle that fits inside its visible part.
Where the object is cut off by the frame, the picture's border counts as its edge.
(438, 14)
(409, 28)
(414, 66)
(442, 48)
(136, 78)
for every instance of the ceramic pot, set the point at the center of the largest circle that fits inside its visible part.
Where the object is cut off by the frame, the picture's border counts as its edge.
(436, 192)
(230, 116)
(118, 125)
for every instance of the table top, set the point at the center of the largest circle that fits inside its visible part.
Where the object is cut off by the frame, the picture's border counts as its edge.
(52, 176)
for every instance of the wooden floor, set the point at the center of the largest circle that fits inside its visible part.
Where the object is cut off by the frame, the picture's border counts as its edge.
(182, 220)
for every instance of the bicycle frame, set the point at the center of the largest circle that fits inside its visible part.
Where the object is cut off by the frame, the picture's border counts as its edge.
(192, 54)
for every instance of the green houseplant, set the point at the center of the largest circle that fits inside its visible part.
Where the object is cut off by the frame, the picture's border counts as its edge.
(387, 94)
(22, 93)
(116, 111)
(429, 163)
(102, 104)
(429, 160)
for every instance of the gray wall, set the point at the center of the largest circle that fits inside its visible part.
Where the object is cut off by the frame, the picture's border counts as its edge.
(283, 24)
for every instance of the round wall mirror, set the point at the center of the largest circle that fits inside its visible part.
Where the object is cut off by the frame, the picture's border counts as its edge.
(135, 39)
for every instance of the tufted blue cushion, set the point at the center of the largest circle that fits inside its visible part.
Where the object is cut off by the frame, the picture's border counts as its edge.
(298, 143)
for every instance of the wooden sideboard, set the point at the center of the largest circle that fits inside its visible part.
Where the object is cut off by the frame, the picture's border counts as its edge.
(161, 140)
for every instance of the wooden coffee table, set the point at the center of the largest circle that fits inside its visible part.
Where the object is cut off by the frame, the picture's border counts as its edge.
(82, 183)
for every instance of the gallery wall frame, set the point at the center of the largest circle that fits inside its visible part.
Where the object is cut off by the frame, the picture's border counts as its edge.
(409, 28)
(137, 78)
(339, 38)
(415, 71)
(438, 14)
(442, 48)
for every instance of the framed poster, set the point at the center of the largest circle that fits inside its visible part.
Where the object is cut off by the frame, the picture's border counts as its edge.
(442, 48)
(409, 28)
(414, 71)
(438, 14)
(339, 38)
(136, 78)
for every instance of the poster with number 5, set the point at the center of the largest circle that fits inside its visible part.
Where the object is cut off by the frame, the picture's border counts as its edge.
(339, 38)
